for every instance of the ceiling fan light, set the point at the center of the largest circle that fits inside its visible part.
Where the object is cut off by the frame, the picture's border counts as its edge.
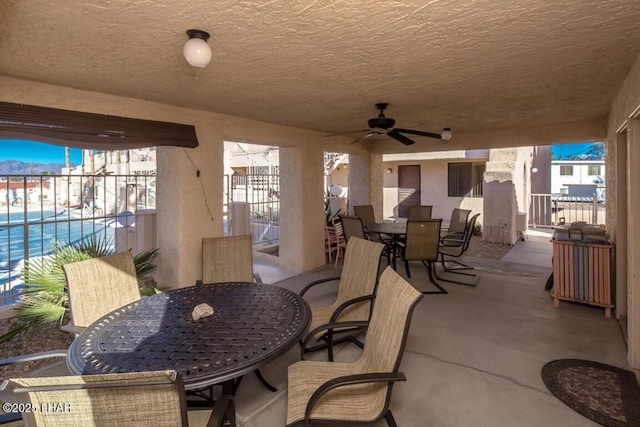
(196, 50)
(446, 134)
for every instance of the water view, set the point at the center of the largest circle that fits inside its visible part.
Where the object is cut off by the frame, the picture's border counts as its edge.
(33, 235)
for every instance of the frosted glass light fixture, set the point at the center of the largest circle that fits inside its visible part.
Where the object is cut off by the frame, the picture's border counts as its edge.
(446, 134)
(196, 50)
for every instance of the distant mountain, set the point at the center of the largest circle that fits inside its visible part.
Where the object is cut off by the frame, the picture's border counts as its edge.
(16, 167)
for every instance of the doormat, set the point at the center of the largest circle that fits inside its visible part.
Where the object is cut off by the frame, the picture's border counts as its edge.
(603, 393)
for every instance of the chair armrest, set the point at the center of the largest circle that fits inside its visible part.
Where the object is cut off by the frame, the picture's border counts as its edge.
(338, 311)
(72, 329)
(223, 410)
(375, 377)
(33, 356)
(329, 327)
(317, 282)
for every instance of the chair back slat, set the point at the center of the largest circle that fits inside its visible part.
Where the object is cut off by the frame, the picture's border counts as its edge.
(100, 285)
(144, 399)
(352, 227)
(420, 212)
(422, 240)
(389, 325)
(365, 213)
(227, 259)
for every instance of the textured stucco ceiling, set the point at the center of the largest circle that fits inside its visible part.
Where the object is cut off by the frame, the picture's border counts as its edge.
(322, 64)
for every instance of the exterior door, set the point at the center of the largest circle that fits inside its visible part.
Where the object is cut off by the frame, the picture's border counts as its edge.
(408, 188)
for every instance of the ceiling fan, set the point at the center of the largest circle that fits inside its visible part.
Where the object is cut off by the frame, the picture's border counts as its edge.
(383, 125)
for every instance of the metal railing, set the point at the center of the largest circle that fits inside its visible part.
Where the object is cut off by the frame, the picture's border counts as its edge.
(262, 193)
(38, 210)
(548, 210)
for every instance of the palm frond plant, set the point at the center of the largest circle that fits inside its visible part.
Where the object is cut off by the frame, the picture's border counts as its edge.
(45, 300)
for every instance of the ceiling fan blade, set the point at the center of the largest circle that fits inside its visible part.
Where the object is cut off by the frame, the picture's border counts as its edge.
(347, 133)
(400, 137)
(419, 132)
(360, 138)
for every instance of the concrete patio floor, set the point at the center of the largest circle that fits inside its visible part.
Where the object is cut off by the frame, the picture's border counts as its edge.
(474, 356)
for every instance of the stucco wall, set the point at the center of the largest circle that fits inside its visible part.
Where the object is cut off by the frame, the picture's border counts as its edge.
(622, 160)
(433, 189)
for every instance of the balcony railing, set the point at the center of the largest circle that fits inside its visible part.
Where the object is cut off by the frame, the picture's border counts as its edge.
(38, 210)
(549, 210)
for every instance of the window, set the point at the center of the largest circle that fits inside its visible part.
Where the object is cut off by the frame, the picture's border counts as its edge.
(594, 170)
(465, 179)
(566, 170)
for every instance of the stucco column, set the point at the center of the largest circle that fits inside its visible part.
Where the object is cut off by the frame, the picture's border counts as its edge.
(301, 207)
(365, 182)
(504, 194)
(189, 184)
(633, 244)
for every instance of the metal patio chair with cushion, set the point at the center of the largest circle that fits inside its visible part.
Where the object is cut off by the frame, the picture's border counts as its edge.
(360, 391)
(356, 293)
(421, 244)
(98, 286)
(367, 216)
(14, 418)
(352, 226)
(334, 239)
(140, 399)
(228, 259)
(454, 246)
(457, 223)
(420, 212)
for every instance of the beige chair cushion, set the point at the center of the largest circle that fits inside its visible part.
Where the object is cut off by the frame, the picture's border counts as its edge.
(227, 259)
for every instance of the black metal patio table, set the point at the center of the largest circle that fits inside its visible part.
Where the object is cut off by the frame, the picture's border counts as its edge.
(252, 324)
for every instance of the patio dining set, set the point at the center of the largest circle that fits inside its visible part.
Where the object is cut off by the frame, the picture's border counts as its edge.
(178, 357)
(417, 238)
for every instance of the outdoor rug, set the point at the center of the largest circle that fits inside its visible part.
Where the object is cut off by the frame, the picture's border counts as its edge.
(603, 393)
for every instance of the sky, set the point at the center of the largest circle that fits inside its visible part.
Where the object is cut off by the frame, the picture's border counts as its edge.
(570, 149)
(36, 152)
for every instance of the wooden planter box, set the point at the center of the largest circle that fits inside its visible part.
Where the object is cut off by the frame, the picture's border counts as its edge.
(582, 273)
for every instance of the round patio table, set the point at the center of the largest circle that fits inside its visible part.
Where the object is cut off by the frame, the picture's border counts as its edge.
(252, 324)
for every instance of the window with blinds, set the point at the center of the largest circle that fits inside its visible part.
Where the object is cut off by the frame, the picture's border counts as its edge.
(465, 179)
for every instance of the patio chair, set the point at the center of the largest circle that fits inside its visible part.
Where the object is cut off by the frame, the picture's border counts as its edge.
(457, 223)
(454, 246)
(98, 286)
(14, 418)
(334, 239)
(356, 292)
(421, 244)
(352, 226)
(228, 259)
(367, 216)
(420, 212)
(359, 391)
(155, 398)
